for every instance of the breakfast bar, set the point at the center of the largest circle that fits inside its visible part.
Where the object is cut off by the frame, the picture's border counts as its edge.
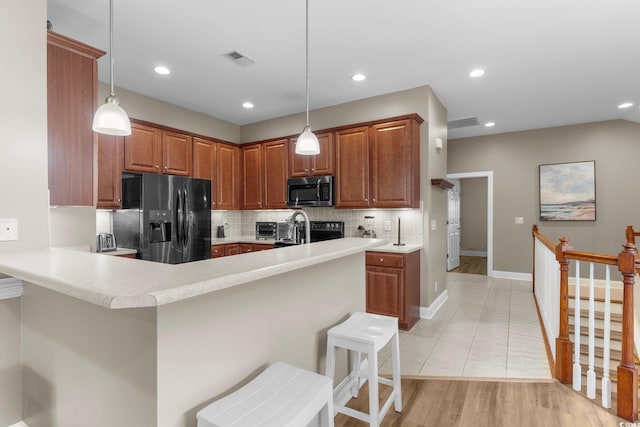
(149, 344)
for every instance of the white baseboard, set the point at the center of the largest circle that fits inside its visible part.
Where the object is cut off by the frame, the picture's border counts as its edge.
(512, 275)
(429, 312)
(19, 424)
(474, 253)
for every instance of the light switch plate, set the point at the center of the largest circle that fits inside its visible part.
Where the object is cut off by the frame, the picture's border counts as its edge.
(519, 220)
(433, 225)
(387, 225)
(8, 229)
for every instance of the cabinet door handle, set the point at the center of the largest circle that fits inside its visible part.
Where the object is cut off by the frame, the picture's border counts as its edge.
(157, 167)
(374, 200)
(366, 199)
(381, 259)
(166, 167)
(119, 200)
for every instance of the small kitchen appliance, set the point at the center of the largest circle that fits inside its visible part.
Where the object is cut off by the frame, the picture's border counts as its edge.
(367, 230)
(266, 230)
(105, 242)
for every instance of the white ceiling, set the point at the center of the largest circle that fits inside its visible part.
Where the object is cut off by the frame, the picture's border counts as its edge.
(547, 63)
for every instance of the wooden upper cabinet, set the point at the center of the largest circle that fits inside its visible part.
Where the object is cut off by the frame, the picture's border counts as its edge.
(318, 165)
(378, 166)
(153, 150)
(252, 173)
(143, 149)
(395, 172)
(352, 168)
(72, 96)
(176, 153)
(204, 163)
(228, 177)
(110, 162)
(276, 170)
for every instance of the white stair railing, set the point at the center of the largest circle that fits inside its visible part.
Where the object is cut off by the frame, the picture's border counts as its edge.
(547, 291)
(577, 368)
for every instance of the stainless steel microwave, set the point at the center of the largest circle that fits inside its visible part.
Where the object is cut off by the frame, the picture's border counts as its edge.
(310, 191)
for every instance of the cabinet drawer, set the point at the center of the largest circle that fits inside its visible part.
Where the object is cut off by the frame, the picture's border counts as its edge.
(384, 259)
(217, 251)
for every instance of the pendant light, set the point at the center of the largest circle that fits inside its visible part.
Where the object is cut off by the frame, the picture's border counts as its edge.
(307, 143)
(110, 118)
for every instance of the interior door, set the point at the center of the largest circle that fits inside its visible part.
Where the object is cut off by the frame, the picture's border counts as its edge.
(453, 226)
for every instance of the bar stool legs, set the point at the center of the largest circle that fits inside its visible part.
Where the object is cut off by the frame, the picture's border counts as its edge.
(367, 333)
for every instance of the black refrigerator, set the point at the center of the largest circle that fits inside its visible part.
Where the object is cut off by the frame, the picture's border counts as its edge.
(166, 218)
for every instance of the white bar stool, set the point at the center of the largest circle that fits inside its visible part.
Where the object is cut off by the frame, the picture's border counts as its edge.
(367, 333)
(281, 396)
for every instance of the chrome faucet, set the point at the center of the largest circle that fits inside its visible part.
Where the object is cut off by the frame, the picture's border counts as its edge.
(307, 223)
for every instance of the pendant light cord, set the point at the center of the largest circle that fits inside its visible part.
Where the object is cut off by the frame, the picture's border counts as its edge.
(307, 58)
(112, 93)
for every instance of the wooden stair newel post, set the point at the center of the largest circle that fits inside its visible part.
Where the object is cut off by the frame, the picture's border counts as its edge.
(564, 346)
(630, 234)
(627, 372)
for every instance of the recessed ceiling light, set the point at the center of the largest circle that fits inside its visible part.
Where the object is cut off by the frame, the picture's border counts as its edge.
(489, 124)
(161, 69)
(247, 105)
(477, 72)
(625, 105)
(358, 77)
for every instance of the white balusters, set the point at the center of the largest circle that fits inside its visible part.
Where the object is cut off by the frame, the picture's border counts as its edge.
(591, 373)
(606, 381)
(577, 369)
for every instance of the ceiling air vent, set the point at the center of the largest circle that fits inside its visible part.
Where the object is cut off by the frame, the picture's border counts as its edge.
(462, 123)
(239, 59)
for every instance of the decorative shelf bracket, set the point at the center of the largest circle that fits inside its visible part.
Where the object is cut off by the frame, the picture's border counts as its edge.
(442, 183)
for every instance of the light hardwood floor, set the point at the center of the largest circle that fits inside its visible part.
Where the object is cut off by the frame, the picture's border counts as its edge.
(457, 402)
(472, 265)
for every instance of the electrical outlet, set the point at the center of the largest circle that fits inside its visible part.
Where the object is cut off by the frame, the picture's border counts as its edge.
(8, 229)
(519, 220)
(387, 225)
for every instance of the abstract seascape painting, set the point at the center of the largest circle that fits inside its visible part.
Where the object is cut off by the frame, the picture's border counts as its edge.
(568, 191)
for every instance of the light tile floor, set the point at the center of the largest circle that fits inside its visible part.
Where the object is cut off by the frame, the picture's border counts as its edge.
(487, 328)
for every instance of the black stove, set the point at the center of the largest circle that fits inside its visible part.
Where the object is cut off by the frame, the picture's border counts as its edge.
(320, 231)
(326, 230)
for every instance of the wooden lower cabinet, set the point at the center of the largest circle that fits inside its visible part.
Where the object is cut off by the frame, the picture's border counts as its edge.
(393, 286)
(218, 251)
(110, 162)
(232, 249)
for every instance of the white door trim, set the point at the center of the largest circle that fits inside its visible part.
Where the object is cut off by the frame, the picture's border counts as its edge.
(489, 176)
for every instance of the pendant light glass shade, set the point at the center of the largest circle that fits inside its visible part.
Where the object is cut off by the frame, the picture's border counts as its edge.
(110, 118)
(307, 144)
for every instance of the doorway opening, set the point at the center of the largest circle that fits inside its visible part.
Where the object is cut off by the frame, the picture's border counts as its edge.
(472, 252)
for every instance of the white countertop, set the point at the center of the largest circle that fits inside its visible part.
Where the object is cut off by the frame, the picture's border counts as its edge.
(388, 247)
(406, 249)
(116, 282)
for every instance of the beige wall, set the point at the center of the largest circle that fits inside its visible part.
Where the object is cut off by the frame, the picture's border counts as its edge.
(72, 226)
(23, 170)
(85, 365)
(434, 258)
(473, 214)
(211, 345)
(515, 158)
(153, 110)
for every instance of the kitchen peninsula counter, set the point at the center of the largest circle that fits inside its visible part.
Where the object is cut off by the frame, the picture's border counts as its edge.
(159, 342)
(114, 282)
